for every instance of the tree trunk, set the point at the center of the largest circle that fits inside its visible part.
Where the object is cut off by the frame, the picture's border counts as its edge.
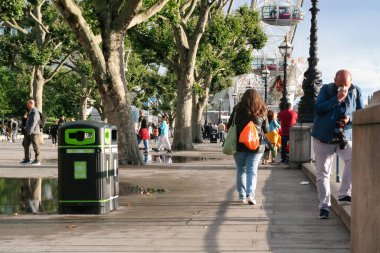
(39, 80)
(187, 48)
(84, 97)
(117, 106)
(199, 105)
(197, 120)
(31, 83)
(183, 139)
(38, 86)
(115, 18)
(83, 108)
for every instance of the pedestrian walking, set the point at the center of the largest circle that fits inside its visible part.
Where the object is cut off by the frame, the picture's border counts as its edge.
(14, 126)
(273, 137)
(9, 130)
(142, 132)
(206, 133)
(164, 134)
(250, 108)
(62, 120)
(287, 118)
(4, 133)
(32, 134)
(332, 133)
(156, 133)
(222, 131)
(54, 133)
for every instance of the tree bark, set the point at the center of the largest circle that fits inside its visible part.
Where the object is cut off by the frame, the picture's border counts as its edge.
(183, 139)
(196, 119)
(117, 106)
(84, 97)
(38, 86)
(31, 83)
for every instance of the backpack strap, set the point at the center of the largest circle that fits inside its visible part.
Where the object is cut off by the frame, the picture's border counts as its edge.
(354, 93)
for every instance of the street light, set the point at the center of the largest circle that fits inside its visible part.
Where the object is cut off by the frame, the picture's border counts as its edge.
(285, 49)
(265, 73)
(220, 110)
(312, 74)
(234, 96)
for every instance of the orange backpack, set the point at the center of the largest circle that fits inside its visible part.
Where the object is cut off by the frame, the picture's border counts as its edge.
(249, 136)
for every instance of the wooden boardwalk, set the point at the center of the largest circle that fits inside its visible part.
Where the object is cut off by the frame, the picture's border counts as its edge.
(199, 213)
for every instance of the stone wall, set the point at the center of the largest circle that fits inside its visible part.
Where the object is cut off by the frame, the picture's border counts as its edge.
(365, 222)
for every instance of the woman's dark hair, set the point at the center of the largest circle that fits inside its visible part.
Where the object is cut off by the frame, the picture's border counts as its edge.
(252, 102)
(270, 115)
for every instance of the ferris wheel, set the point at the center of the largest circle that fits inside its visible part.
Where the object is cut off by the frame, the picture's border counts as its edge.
(279, 19)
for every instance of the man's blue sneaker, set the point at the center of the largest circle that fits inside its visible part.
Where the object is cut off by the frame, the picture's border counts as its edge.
(25, 161)
(324, 213)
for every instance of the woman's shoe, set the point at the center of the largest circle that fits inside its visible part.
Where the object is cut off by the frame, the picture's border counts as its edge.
(251, 200)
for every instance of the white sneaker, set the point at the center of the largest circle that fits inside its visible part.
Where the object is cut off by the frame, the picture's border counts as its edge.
(244, 200)
(35, 163)
(251, 200)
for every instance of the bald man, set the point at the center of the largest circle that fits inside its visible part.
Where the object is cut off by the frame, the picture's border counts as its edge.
(32, 132)
(332, 133)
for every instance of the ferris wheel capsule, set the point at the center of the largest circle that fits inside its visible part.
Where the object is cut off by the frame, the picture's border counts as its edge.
(274, 64)
(281, 14)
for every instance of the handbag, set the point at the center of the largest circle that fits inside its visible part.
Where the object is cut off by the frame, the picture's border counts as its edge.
(229, 145)
(249, 136)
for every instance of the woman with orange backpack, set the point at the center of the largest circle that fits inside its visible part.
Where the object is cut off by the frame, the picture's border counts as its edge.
(251, 125)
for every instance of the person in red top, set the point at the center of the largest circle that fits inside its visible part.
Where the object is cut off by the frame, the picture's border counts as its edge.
(287, 118)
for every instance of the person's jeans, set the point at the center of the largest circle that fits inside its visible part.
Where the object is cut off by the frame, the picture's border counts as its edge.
(35, 141)
(221, 136)
(246, 172)
(284, 143)
(54, 139)
(324, 156)
(145, 142)
(14, 135)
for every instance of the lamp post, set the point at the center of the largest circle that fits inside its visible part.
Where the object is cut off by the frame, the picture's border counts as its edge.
(234, 96)
(220, 110)
(265, 73)
(285, 49)
(312, 74)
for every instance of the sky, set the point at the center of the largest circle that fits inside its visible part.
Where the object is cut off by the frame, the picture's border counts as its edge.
(348, 38)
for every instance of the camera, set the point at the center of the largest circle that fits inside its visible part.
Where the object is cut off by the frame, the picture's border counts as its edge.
(339, 137)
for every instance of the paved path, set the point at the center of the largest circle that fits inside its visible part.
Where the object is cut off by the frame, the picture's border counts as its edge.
(199, 213)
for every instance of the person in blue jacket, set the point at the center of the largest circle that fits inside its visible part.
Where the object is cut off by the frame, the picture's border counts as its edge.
(332, 133)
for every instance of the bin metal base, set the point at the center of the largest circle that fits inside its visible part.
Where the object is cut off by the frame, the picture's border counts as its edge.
(88, 208)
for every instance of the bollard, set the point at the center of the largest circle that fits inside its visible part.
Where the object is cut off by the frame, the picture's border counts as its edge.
(300, 145)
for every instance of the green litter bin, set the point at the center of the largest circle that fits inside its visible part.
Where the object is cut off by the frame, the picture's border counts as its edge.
(88, 180)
